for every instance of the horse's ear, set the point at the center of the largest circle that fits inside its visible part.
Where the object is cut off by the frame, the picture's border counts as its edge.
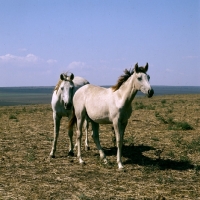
(71, 76)
(136, 68)
(146, 67)
(62, 77)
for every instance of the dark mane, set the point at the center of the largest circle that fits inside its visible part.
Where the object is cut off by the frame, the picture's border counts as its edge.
(123, 78)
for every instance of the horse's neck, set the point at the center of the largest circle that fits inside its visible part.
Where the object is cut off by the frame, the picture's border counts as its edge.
(57, 94)
(127, 91)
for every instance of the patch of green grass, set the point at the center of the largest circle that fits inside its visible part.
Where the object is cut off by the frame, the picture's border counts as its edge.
(30, 156)
(83, 197)
(140, 105)
(170, 110)
(160, 118)
(177, 139)
(184, 158)
(32, 110)
(150, 168)
(161, 179)
(179, 126)
(194, 145)
(12, 116)
(171, 154)
(174, 125)
(197, 169)
(129, 140)
(150, 107)
(163, 101)
(165, 179)
(191, 147)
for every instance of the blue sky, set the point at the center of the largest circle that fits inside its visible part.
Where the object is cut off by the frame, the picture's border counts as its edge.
(98, 39)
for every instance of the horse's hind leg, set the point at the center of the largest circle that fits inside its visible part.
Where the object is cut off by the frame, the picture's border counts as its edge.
(56, 133)
(79, 137)
(71, 146)
(86, 126)
(95, 135)
(113, 137)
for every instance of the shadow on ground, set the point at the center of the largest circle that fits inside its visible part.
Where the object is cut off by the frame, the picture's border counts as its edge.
(134, 155)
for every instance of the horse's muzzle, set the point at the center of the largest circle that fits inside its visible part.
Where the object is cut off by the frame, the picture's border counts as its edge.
(150, 93)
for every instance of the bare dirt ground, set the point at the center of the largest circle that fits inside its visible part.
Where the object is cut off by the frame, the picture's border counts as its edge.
(161, 154)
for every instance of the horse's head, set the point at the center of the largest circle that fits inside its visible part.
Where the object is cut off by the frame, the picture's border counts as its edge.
(66, 90)
(142, 80)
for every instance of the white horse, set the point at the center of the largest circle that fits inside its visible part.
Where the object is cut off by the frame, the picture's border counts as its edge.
(62, 106)
(109, 106)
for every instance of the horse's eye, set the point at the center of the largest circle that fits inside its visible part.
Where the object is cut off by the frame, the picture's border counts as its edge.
(62, 88)
(139, 78)
(148, 77)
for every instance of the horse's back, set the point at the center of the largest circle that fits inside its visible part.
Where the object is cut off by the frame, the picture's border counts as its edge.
(89, 90)
(80, 81)
(95, 100)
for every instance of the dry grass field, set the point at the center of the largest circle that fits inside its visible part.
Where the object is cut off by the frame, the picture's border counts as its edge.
(161, 154)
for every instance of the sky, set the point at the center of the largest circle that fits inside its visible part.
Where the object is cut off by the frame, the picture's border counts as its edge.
(98, 40)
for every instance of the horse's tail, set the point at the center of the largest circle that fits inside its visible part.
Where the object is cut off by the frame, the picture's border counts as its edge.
(72, 120)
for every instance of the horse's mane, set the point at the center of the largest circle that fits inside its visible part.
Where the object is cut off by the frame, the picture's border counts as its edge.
(123, 78)
(58, 85)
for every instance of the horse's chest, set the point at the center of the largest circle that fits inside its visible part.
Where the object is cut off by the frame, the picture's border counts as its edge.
(63, 112)
(125, 113)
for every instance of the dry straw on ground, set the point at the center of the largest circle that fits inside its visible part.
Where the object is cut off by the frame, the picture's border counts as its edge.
(161, 154)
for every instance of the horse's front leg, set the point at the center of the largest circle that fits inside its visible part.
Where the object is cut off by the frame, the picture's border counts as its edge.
(119, 132)
(56, 120)
(95, 135)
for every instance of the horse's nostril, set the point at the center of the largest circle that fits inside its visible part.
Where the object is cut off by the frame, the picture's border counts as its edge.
(150, 93)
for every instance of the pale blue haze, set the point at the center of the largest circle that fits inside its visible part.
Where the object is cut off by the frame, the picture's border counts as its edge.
(98, 40)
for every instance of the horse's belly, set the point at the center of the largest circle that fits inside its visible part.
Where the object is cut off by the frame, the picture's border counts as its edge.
(102, 121)
(99, 117)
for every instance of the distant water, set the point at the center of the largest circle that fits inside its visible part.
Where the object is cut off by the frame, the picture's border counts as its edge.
(10, 96)
(168, 90)
(42, 95)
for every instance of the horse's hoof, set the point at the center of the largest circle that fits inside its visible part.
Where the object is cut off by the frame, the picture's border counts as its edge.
(87, 148)
(52, 156)
(81, 161)
(120, 166)
(70, 153)
(105, 161)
